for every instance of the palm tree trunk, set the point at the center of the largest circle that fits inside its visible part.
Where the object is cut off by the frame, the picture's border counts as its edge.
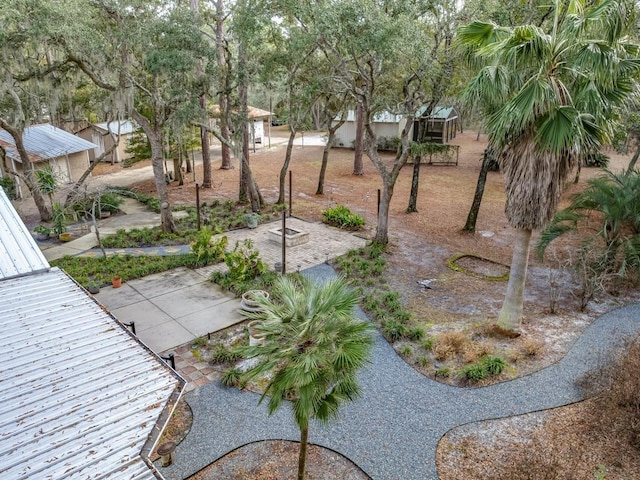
(511, 313)
(302, 458)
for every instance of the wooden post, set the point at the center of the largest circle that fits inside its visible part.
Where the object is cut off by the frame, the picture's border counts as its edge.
(290, 183)
(198, 204)
(284, 242)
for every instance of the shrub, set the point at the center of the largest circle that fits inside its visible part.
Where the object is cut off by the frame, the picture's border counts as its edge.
(422, 361)
(532, 347)
(231, 377)
(444, 372)
(244, 262)
(223, 354)
(206, 251)
(416, 333)
(341, 216)
(428, 344)
(394, 330)
(406, 351)
(474, 372)
(493, 365)
(9, 186)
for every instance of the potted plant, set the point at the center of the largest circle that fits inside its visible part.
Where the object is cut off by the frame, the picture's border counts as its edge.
(93, 288)
(250, 300)
(42, 232)
(116, 282)
(255, 336)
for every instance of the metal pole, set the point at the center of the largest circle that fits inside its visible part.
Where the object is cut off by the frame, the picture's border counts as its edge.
(378, 202)
(198, 204)
(284, 242)
(290, 183)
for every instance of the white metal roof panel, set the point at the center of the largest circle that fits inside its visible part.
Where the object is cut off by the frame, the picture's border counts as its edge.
(125, 127)
(79, 396)
(46, 141)
(19, 253)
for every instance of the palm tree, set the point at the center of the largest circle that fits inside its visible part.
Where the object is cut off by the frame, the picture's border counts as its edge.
(558, 91)
(313, 347)
(607, 213)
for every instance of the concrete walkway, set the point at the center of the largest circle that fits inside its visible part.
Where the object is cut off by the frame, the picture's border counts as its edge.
(392, 431)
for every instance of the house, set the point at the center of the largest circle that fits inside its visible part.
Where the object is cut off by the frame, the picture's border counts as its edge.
(80, 396)
(439, 127)
(384, 124)
(256, 118)
(104, 136)
(47, 145)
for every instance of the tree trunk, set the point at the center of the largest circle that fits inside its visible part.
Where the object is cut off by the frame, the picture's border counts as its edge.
(511, 313)
(177, 171)
(382, 229)
(155, 139)
(415, 183)
(302, 457)
(325, 161)
(76, 187)
(634, 160)
(206, 155)
(28, 172)
(358, 166)
(285, 165)
(472, 217)
(223, 101)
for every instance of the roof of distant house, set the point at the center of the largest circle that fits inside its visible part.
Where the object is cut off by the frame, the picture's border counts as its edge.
(125, 127)
(44, 142)
(81, 397)
(438, 113)
(253, 113)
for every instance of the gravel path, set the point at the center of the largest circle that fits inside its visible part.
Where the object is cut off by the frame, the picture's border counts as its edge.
(393, 430)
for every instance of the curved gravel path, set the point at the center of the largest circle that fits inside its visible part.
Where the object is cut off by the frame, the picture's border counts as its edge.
(393, 430)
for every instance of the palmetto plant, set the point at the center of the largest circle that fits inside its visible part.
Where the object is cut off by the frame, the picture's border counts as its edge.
(313, 347)
(553, 93)
(607, 215)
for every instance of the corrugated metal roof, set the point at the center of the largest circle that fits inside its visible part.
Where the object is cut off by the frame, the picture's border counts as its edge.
(126, 127)
(19, 253)
(45, 141)
(439, 112)
(381, 117)
(79, 396)
(252, 112)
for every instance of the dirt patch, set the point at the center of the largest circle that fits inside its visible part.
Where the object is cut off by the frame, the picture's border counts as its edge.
(278, 460)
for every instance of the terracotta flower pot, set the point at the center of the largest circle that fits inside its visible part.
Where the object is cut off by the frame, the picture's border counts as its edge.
(116, 282)
(64, 237)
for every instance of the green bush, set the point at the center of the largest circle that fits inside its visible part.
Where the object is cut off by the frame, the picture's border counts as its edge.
(231, 377)
(341, 216)
(9, 186)
(494, 365)
(244, 262)
(474, 372)
(394, 330)
(223, 354)
(206, 251)
(416, 333)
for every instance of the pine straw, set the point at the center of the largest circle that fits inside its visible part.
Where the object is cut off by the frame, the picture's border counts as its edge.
(601, 434)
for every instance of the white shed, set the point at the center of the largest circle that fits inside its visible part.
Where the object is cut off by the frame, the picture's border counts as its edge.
(385, 124)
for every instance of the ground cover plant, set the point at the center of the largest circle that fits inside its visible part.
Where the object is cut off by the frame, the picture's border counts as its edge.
(100, 270)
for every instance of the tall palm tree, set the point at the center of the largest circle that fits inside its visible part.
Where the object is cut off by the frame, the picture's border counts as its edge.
(558, 91)
(313, 347)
